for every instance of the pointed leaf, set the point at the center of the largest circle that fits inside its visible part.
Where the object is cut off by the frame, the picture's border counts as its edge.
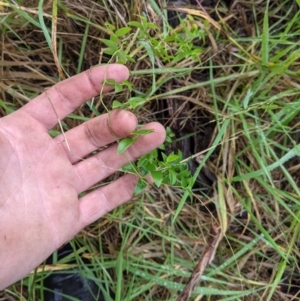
(130, 168)
(116, 104)
(124, 144)
(118, 87)
(111, 44)
(122, 31)
(157, 177)
(135, 24)
(172, 176)
(140, 186)
(142, 132)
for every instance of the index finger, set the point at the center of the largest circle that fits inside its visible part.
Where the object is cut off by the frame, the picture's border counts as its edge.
(69, 94)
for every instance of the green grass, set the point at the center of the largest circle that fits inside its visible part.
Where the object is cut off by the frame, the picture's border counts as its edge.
(249, 88)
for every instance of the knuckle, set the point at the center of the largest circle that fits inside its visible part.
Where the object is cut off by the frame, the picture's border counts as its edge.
(64, 100)
(89, 76)
(92, 133)
(133, 152)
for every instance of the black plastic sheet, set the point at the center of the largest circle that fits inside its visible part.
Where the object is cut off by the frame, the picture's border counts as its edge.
(66, 285)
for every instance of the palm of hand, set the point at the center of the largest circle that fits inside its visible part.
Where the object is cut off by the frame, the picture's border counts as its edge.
(40, 181)
(40, 189)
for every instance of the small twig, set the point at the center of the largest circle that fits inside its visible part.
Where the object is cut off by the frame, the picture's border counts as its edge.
(59, 122)
(208, 256)
(198, 2)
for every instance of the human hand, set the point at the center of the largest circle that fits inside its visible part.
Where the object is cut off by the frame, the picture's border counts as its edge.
(40, 179)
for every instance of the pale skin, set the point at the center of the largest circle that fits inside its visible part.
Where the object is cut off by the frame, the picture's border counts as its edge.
(41, 177)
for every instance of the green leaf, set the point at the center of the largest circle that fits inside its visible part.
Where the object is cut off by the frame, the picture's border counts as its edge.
(184, 183)
(182, 167)
(150, 167)
(122, 31)
(172, 176)
(154, 154)
(113, 46)
(114, 38)
(109, 51)
(116, 104)
(169, 139)
(143, 161)
(110, 26)
(124, 144)
(140, 186)
(127, 84)
(135, 24)
(109, 82)
(164, 156)
(152, 26)
(142, 132)
(157, 177)
(118, 87)
(143, 171)
(136, 101)
(122, 56)
(172, 158)
(130, 168)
